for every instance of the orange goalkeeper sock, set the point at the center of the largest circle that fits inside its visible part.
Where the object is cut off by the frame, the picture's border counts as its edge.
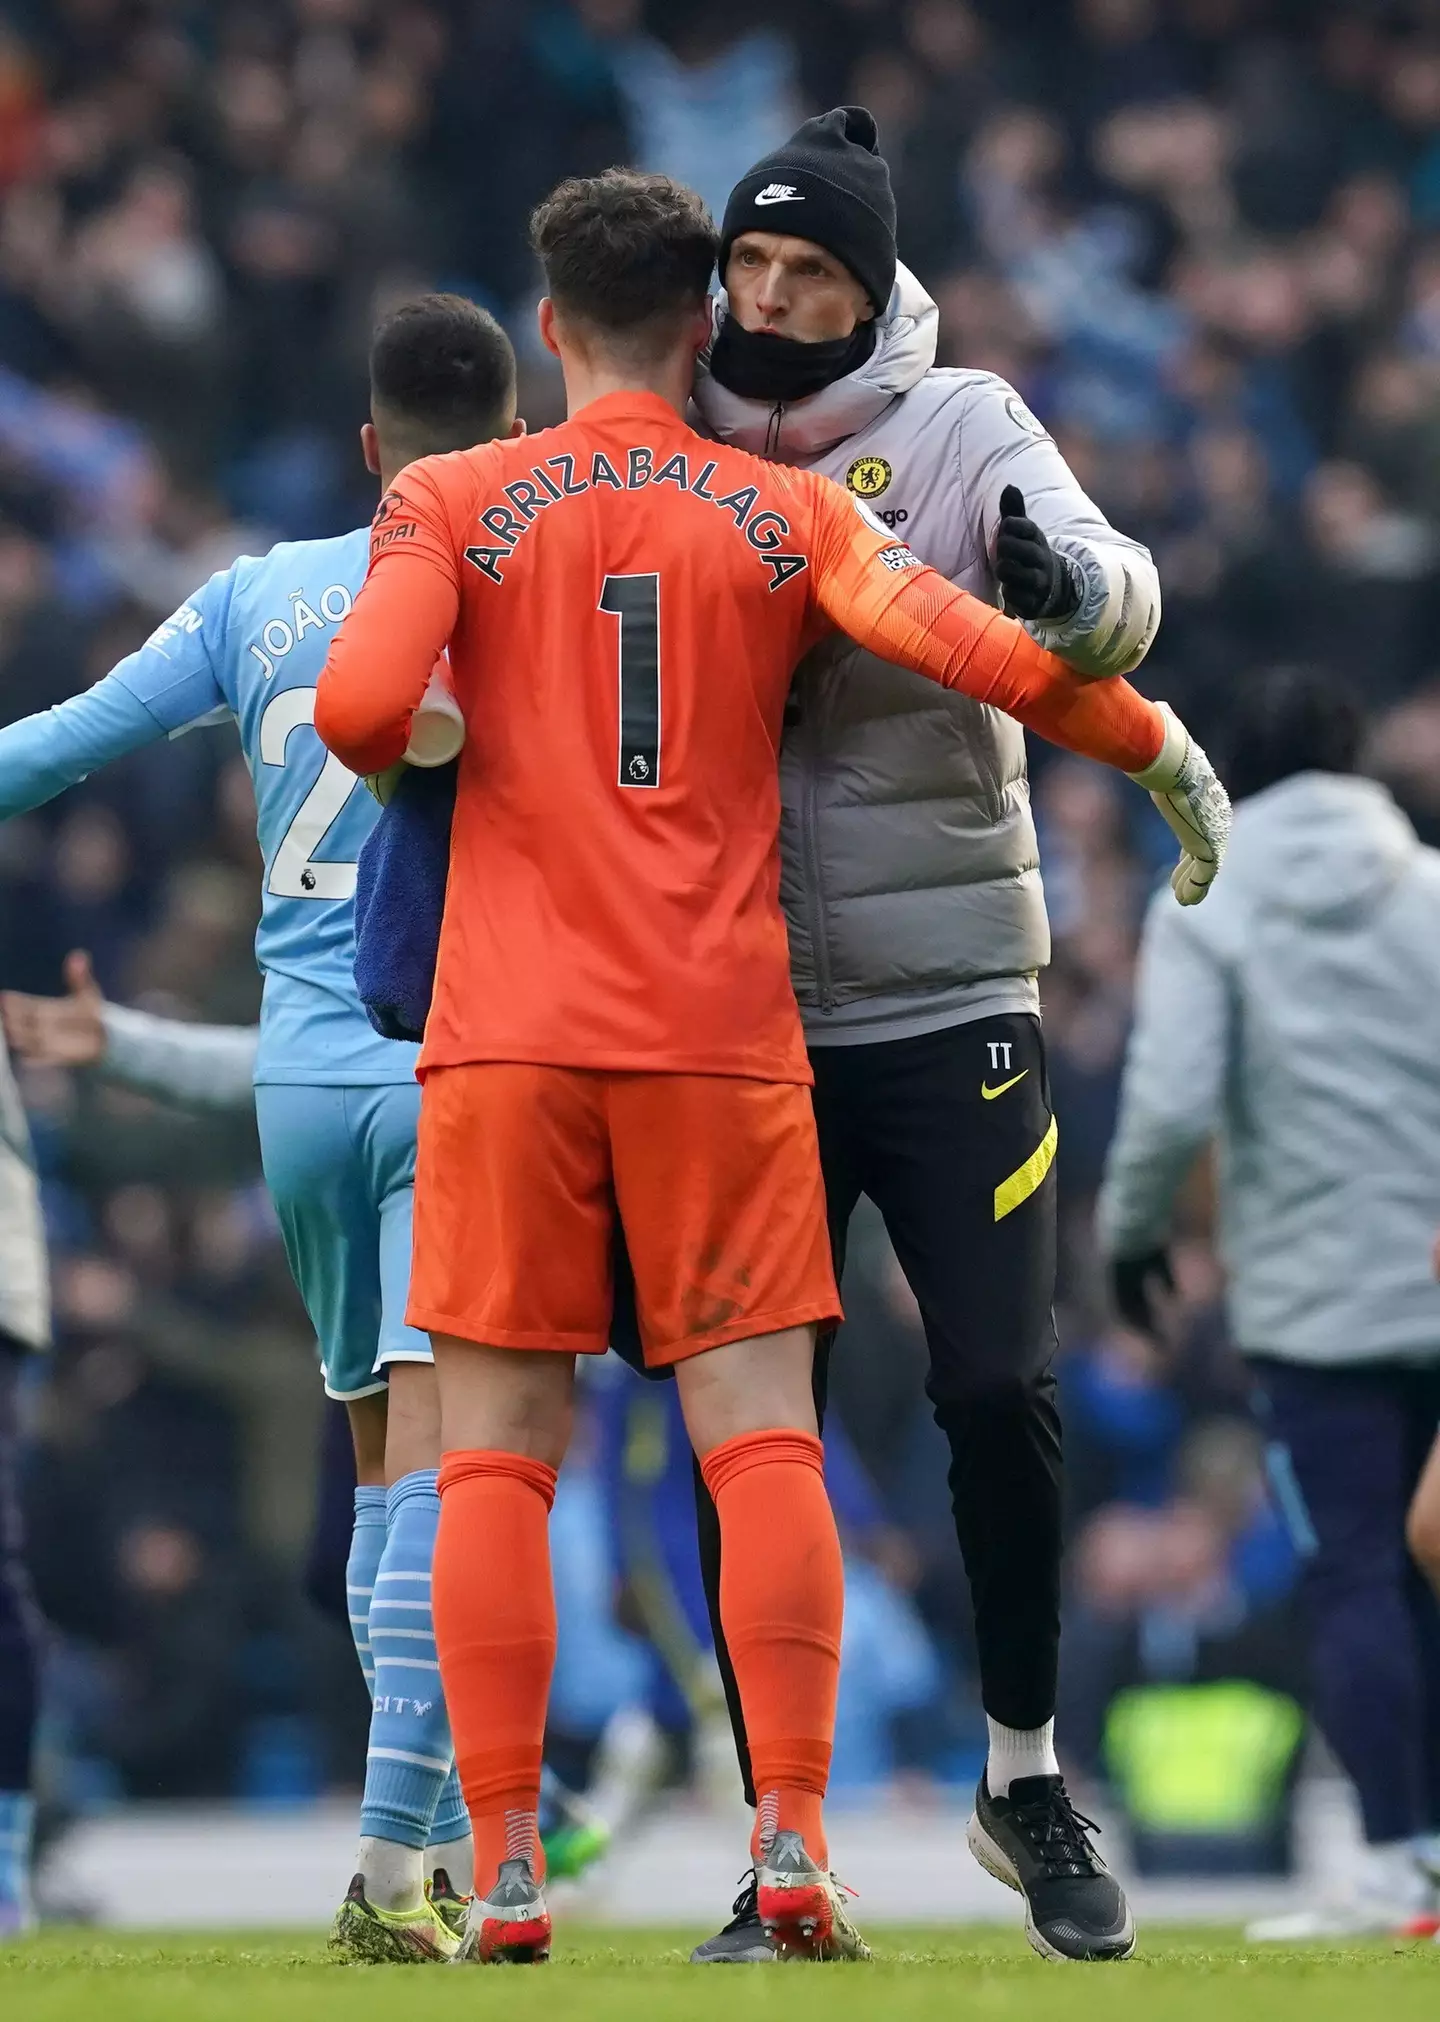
(782, 1600)
(494, 1608)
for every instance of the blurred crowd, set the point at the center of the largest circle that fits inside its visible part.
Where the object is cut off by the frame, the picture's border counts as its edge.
(1201, 236)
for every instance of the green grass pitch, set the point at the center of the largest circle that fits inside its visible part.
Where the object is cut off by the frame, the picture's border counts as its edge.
(974, 1975)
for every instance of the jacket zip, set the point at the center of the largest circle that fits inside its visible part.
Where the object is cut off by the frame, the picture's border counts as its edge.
(809, 802)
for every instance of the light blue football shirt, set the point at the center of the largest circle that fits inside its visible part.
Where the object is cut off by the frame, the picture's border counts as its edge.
(251, 645)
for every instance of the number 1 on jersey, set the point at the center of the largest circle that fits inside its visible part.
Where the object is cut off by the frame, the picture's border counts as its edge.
(635, 601)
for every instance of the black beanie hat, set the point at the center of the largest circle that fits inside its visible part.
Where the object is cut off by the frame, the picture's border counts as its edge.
(828, 183)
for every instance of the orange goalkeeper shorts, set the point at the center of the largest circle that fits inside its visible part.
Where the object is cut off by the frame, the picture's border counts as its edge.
(521, 1173)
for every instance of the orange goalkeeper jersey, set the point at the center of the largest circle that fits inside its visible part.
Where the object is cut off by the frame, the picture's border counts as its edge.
(625, 604)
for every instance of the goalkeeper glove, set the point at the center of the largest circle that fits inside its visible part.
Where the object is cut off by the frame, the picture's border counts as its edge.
(383, 784)
(1183, 785)
(1040, 586)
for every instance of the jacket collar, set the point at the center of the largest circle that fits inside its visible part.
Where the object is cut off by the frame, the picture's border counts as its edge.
(904, 352)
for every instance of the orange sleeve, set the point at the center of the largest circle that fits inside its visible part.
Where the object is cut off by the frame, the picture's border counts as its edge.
(381, 659)
(870, 585)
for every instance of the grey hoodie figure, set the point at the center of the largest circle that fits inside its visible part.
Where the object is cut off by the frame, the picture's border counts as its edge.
(917, 922)
(1298, 1027)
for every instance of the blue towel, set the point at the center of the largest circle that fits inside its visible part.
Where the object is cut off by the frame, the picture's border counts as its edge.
(400, 899)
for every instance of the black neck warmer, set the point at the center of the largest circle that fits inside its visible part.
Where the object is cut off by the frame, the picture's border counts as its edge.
(758, 365)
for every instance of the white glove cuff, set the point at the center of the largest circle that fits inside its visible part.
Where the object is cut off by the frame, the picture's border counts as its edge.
(1164, 769)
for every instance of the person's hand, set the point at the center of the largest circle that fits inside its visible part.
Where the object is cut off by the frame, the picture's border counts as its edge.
(1183, 785)
(1138, 1285)
(66, 1031)
(1038, 583)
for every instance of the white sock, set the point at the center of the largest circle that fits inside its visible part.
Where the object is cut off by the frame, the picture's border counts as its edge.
(457, 1857)
(394, 1874)
(1017, 1752)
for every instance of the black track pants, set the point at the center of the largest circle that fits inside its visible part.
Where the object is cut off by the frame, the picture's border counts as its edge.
(951, 1136)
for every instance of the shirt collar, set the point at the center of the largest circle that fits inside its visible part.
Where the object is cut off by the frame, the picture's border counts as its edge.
(629, 405)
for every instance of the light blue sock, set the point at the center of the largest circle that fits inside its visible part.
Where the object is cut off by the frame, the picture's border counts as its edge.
(452, 1820)
(367, 1544)
(410, 1755)
(17, 1824)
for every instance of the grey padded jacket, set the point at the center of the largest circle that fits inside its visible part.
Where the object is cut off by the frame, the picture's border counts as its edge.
(910, 868)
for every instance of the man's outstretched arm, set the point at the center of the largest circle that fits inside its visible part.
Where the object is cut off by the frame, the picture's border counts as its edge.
(381, 660)
(167, 687)
(194, 1066)
(874, 588)
(43, 754)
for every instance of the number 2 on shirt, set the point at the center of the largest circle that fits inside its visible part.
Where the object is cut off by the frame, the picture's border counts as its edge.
(635, 601)
(294, 873)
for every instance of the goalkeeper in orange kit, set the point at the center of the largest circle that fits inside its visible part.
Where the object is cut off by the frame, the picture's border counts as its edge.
(613, 1029)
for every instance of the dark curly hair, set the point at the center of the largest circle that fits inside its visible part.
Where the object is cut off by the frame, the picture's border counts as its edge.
(629, 254)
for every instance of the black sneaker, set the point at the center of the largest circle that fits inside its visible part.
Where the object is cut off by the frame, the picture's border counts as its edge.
(743, 1941)
(1038, 1844)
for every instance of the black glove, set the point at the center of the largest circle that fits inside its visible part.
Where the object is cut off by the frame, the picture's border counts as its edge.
(1037, 582)
(1135, 1283)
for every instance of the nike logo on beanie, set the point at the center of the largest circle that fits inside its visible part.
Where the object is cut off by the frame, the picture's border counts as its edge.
(779, 193)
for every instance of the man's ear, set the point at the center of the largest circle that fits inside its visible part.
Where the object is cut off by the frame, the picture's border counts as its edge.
(704, 327)
(545, 317)
(370, 448)
(518, 427)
